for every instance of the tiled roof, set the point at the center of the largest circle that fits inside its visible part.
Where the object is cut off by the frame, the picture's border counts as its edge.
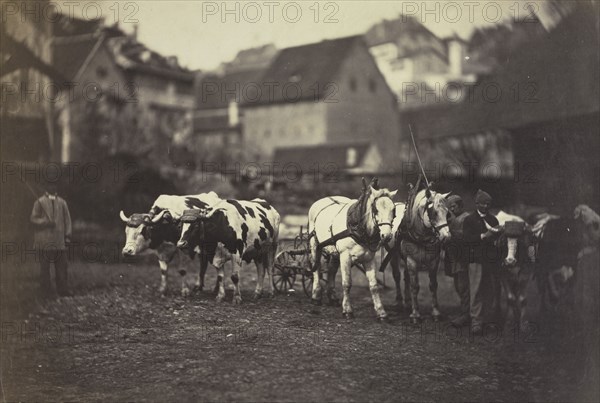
(308, 67)
(69, 57)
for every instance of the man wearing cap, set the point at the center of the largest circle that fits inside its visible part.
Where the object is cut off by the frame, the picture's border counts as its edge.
(480, 231)
(456, 259)
(52, 221)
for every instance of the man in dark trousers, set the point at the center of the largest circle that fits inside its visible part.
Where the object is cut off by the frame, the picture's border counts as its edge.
(480, 231)
(52, 221)
(456, 258)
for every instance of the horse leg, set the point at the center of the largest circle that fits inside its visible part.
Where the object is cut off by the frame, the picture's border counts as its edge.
(315, 266)
(345, 266)
(407, 298)
(412, 267)
(332, 269)
(397, 280)
(433, 286)
(374, 288)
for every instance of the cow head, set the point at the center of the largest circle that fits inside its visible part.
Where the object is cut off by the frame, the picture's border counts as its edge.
(516, 244)
(193, 226)
(140, 231)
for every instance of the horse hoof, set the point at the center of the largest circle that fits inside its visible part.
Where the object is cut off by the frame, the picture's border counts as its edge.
(383, 319)
(415, 320)
(316, 302)
(437, 318)
(237, 300)
(349, 315)
(219, 299)
(257, 296)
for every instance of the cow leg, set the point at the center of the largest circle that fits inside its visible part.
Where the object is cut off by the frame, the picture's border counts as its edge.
(433, 286)
(260, 276)
(268, 262)
(374, 288)
(202, 272)
(397, 280)
(345, 266)
(332, 269)
(220, 286)
(411, 265)
(185, 290)
(235, 278)
(163, 276)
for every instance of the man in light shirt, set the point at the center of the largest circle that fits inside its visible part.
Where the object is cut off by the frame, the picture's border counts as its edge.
(52, 221)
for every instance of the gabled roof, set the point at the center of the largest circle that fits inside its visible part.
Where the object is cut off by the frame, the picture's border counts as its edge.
(390, 30)
(64, 25)
(308, 67)
(216, 91)
(70, 56)
(335, 155)
(135, 56)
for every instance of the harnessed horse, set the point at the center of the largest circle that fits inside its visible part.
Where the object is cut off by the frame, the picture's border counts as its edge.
(353, 231)
(419, 229)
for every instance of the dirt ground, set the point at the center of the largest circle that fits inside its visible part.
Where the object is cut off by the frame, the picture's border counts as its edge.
(118, 339)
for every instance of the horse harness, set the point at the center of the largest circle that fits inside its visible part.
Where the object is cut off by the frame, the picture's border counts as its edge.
(356, 231)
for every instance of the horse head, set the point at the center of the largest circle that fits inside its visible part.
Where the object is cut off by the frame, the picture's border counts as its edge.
(380, 208)
(433, 210)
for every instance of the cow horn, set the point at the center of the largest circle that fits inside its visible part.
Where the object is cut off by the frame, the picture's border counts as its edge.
(159, 216)
(124, 218)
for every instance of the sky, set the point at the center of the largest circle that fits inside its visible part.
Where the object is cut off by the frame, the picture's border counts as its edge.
(202, 34)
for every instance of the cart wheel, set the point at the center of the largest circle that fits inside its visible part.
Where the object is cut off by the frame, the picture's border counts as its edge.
(307, 283)
(284, 272)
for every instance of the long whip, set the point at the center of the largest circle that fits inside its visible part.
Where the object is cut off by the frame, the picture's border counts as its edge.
(417, 153)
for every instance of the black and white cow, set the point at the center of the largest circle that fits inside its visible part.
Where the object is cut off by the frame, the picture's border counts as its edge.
(248, 230)
(158, 231)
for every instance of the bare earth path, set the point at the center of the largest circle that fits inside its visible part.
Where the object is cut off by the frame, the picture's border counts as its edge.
(117, 339)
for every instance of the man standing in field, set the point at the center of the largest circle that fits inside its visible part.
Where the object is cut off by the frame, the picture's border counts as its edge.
(480, 230)
(52, 221)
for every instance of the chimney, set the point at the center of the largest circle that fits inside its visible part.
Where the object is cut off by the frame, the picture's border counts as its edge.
(173, 61)
(135, 31)
(455, 56)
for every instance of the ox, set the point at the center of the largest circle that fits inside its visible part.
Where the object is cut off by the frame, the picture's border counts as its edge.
(157, 232)
(247, 230)
(516, 248)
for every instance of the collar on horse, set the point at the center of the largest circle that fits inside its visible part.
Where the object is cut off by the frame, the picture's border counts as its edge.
(357, 226)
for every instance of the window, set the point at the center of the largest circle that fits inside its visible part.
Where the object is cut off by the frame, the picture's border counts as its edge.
(353, 84)
(351, 157)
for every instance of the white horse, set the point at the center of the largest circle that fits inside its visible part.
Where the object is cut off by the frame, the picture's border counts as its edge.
(351, 231)
(418, 244)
